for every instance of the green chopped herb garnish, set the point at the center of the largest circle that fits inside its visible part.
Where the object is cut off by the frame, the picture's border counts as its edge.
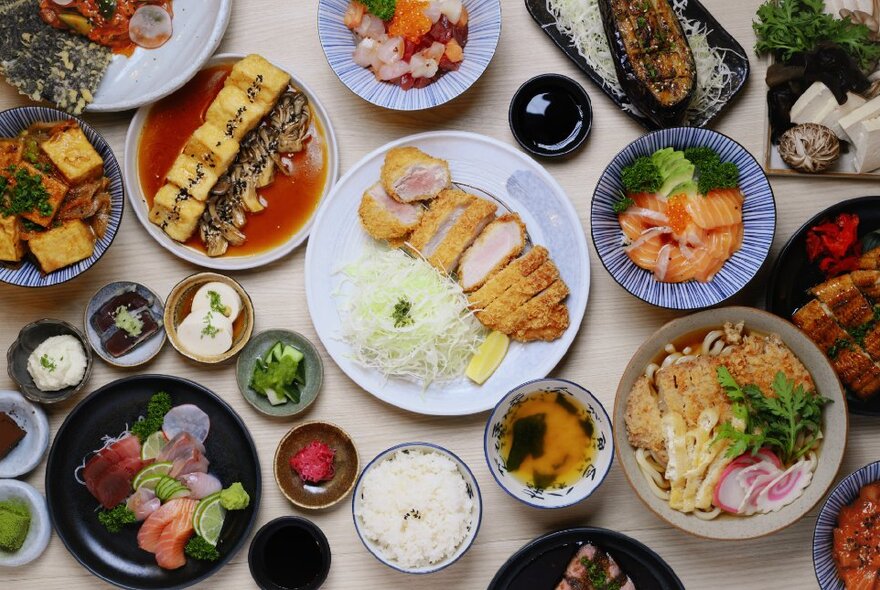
(210, 329)
(48, 363)
(401, 314)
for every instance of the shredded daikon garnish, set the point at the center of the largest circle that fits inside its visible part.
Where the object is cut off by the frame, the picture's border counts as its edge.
(404, 318)
(107, 440)
(581, 20)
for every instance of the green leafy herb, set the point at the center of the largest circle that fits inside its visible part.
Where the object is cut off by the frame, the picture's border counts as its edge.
(642, 176)
(25, 195)
(401, 312)
(31, 151)
(789, 423)
(48, 363)
(384, 9)
(839, 344)
(209, 329)
(528, 439)
(158, 406)
(786, 27)
(622, 204)
(598, 577)
(199, 548)
(113, 520)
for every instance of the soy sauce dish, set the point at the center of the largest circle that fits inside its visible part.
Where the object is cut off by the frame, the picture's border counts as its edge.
(289, 553)
(550, 115)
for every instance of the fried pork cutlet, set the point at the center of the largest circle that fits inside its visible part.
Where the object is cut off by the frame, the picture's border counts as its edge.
(452, 223)
(512, 274)
(870, 260)
(855, 368)
(578, 575)
(644, 420)
(500, 242)
(543, 317)
(409, 174)
(845, 301)
(384, 218)
(868, 282)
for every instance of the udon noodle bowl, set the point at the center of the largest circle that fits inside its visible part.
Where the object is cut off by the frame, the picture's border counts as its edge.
(686, 423)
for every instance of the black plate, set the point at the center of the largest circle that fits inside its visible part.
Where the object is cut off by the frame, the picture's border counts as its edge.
(116, 558)
(793, 273)
(541, 563)
(734, 56)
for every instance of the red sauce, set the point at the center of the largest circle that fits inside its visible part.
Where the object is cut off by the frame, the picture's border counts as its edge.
(291, 200)
(857, 539)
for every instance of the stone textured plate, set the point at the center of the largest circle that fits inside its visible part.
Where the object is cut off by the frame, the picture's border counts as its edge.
(491, 169)
(143, 352)
(834, 418)
(345, 462)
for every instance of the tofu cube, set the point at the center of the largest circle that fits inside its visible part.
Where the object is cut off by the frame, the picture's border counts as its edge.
(64, 245)
(11, 244)
(193, 176)
(210, 146)
(176, 212)
(73, 155)
(234, 113)
(56, 190)
(260, 80)
(10, 152)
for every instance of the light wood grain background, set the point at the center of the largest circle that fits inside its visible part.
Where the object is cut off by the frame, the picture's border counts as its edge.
(614, 326)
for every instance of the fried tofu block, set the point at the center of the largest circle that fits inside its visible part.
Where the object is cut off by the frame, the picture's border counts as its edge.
(176, 212)
(234, 113)
(11, 244)
(260, 80)
(193, 176)
(211, 147)
(56, 190)
(10, 152)
(73, 155)
(64, 245)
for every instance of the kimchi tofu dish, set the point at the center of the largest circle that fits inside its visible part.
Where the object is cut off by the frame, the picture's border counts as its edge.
(54, 198)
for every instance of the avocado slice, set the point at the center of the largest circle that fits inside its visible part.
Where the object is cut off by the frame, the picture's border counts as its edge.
(680, 172)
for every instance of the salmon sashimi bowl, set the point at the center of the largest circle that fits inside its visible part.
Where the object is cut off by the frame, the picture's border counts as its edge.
(683, 218)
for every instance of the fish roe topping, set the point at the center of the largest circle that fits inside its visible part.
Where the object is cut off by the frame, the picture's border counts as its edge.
(410, 20)
(677, 214)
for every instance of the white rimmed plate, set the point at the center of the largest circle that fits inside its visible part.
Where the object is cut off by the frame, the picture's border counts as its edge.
(139, 201)
(149, 74)
(490, 168)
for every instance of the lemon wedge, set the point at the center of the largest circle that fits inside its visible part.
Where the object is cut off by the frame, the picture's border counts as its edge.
(487, 358)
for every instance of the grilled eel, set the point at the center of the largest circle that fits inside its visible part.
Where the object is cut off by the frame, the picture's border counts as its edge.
(652, 57)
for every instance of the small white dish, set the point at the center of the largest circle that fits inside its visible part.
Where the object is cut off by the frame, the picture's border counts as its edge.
(130, 173)
(594, 472)
(30, 450)
(150, 74)
(41, 527)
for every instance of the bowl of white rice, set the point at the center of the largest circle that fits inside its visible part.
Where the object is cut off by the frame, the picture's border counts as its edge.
(417, 507)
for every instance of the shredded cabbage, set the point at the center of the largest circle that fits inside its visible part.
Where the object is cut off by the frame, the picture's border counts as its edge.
(404, 318)
(582, 21)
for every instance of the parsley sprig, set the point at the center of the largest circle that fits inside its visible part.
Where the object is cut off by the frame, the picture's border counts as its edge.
(789, 423)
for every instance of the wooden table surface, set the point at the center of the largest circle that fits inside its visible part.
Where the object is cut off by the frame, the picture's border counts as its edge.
(615, 323)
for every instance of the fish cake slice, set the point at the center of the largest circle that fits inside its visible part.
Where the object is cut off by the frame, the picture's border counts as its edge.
(844, 300)
(514, 272)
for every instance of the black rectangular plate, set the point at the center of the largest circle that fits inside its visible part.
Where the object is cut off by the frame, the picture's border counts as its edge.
(735, 58)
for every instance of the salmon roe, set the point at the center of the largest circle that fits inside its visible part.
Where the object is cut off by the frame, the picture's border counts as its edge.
(677, 213)
(409, 20)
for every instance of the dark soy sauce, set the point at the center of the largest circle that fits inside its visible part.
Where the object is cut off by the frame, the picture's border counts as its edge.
(292, 557)
(551, 119)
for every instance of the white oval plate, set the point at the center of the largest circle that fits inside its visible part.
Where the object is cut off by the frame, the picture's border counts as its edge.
(150, 74)
(139, 201)
(485, 165)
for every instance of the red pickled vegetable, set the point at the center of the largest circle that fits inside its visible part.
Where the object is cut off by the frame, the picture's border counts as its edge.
(835, 245)
(314, 462)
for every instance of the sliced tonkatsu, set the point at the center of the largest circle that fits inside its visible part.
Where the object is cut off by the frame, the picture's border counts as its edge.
(593, 569)
(385, 218)
(543, 317)
(500, 242)
(513, 273)
(409, 174)
(497, 312)
(844, 300)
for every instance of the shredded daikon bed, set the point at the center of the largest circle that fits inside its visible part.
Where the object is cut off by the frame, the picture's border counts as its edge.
(437, 340)
(582, 22)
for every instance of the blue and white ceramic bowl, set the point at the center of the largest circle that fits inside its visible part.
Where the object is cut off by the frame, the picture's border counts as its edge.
(842, 495)
(27, 273)
(473, 490)
(594, 472)
(759, 220)
(484, 29)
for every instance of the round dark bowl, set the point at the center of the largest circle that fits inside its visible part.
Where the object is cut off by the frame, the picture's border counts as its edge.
(260, 569)
(523, 103)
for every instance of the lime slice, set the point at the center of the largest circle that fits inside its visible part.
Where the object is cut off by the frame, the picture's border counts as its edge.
(153, 445)
(208, 519)
(487, 358)
(155, 469)
(148, 482)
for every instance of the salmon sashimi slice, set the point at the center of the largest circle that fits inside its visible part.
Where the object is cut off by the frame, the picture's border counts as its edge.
(677, 267)
(173, 539)
(718, 208)
(639, 218)
(150, 533)
(644, 254)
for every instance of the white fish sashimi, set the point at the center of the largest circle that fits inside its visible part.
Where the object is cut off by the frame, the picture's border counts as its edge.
(187, 418)
(143, 503)
(200, 484)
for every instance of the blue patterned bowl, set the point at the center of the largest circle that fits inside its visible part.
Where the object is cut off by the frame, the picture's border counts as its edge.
(759, 219)
(843, 494)
(28, 274)
(593, 473)
(484, 29)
